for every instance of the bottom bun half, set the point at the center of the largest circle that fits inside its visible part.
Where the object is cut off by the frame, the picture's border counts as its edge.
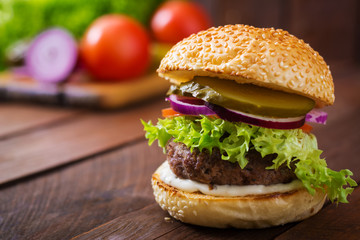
(254, 211)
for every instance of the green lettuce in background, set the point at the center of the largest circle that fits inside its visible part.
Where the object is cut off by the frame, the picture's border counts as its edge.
(24, 19)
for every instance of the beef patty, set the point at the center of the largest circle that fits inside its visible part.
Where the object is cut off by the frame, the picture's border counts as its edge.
(211, 169)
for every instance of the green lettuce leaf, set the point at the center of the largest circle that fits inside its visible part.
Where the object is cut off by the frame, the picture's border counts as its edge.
(235, 139)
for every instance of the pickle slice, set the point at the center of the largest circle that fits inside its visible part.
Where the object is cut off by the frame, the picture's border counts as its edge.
(247, 98)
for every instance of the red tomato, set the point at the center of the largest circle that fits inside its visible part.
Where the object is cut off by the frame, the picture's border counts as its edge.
(175, 20)
(115, 47)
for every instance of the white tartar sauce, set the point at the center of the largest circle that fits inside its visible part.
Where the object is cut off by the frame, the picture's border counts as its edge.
(187, 185)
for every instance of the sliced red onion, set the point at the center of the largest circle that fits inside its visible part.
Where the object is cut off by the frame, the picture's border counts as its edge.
(189, 106)
(267, 122)
(316, 116)
(195, 106)
(52, 56)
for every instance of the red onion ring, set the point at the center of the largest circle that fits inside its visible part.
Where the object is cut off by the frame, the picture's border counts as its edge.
(195, 106)
(52, 56)
(189, 106)
(316, 116)
(276, 123)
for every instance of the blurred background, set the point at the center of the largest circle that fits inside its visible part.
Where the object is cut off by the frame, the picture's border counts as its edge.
(332, 27)
(151, 27)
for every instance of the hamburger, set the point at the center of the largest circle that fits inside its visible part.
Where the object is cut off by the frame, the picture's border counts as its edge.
(238, 152)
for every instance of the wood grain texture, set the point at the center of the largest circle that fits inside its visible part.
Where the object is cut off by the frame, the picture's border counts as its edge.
(89, 134)
(108, 194)
(186, 231)
(328, 26)
(82, 91)
(16, 118)
(258, 13)
(333, 222)
(146, 223)
(74, 199)
(339, 136)
(111, 96)
(154, 223)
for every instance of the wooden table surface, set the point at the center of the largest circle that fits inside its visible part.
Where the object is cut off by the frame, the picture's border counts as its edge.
(75, 173)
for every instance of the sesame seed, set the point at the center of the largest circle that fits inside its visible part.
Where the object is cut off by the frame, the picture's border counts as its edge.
(239, 51)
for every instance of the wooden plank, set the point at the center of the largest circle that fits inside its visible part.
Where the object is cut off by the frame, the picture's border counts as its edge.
(21, 87)
(334, 222)
(328, 26)
(79, 197)
(347, 85)
(153, 223)
(259, 13)
(79, 92)
(16, 118)
(357, 34)
(86, 135)
(146, 223)
(339, 136)
(114, 187)
(339, 140)
(339, 144)
(186, 231)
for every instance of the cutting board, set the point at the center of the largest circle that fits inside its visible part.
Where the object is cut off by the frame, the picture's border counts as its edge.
(82, 91)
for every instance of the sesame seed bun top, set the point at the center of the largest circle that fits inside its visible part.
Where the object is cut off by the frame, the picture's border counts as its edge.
(265, 57)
